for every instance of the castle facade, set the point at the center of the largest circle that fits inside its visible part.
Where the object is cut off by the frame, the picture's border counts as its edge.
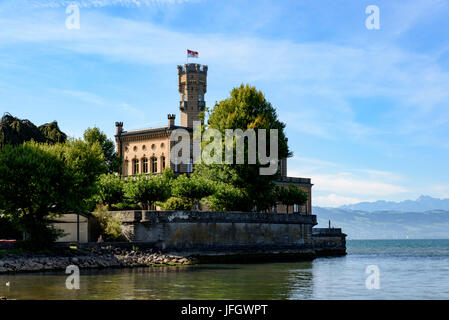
(148, 151)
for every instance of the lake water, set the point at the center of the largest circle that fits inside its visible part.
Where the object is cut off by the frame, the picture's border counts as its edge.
(408, 269)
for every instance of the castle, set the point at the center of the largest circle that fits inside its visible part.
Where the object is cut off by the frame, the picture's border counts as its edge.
(148, 151)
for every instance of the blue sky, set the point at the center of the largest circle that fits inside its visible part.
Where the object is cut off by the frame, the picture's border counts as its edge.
(367, 111)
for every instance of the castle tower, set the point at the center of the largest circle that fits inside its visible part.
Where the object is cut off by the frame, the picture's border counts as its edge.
(192, 88)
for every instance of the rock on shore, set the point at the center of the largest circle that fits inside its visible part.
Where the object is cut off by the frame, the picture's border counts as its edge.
(104, 257)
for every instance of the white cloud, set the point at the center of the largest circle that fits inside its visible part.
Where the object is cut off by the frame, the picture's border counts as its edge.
(99, 3)
(128, 108)
(83, 96)
(334, 200)
(321, 76)
(335, 185)
(439, 190)
(349, 183)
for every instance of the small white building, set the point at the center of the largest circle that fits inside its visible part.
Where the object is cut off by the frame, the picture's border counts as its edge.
(68, 224)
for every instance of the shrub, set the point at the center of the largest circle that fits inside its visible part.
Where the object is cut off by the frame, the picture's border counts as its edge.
(107, 224)
(175, 203)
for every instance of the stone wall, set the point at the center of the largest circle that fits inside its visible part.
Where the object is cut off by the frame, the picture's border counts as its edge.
(329, 241)
(211, 235)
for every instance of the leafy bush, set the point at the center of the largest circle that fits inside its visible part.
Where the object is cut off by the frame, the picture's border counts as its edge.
(175, 203)
(107, 224)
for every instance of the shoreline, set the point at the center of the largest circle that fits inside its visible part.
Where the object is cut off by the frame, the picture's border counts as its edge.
(89, 258)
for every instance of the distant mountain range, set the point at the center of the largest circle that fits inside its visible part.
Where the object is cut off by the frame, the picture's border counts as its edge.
(422, 204)
(386, 224)
(424, 218)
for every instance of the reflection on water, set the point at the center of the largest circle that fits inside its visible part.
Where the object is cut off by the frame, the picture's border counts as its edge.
(412, 269)
(247, 281)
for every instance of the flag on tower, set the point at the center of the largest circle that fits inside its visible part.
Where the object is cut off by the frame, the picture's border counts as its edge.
(192, 54)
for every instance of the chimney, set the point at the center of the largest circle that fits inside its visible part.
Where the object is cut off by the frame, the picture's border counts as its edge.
(118, 128)
(171, 120)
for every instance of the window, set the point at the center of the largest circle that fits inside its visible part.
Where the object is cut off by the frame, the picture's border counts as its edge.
(176, 164)
(200, 98)
(145, 165)
(190, 165)
(135, 166)
(163, 162)
(295, 208)
(153, 164)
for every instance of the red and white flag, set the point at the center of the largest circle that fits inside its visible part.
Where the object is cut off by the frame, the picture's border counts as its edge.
(192, 54)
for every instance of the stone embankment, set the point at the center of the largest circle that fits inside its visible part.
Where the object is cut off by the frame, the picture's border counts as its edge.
(89, 258)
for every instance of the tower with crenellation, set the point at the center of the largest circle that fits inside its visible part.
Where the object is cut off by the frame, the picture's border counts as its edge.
(192, 86)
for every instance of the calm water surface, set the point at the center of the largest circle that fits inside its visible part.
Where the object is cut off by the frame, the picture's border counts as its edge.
(409, 269)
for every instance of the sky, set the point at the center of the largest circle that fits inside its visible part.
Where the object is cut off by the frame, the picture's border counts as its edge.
(366, 110)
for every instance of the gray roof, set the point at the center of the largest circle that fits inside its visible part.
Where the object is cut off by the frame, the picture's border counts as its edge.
(152, 130)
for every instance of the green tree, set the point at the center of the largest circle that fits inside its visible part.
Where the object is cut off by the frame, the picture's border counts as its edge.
(15, 131)
(146, 190)
(112, 159)
(52, 133)
(226, 197)
(246, 108)
(291, 195)
(40, 181)
(110, 189)
(192, 188)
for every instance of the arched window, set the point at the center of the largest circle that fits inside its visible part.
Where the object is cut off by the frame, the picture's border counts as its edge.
(162, 163)
(153, 164)
(145, 165)
(135, 166)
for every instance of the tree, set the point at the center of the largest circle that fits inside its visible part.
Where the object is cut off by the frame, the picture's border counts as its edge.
(226, 197)
(110, 189)
(16, 131)
(112, 159)
(146, 190)
(52, 133)
(291, 195)
(192, 188)
(40, 181)
(246, 108)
